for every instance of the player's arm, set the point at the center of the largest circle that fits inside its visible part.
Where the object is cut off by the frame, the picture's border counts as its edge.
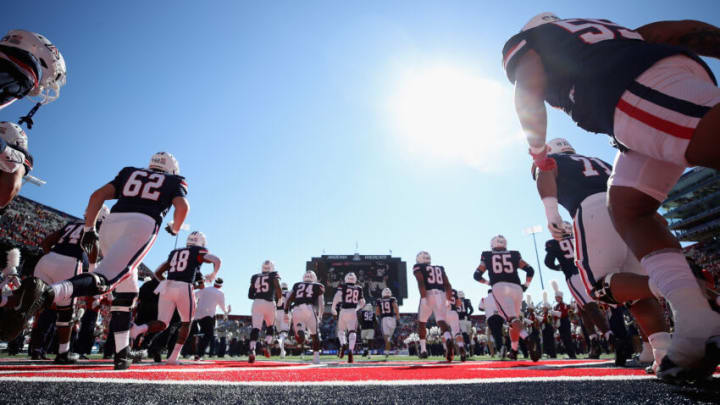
(97, 198)
(361, 301)
(12, 171)
(50, 240)
(290, 300)
(162, 269)
(550, 259)
(397, 310)
(481, 305)
(547, 188)
(335, 302)
(278, 291)
(421, 284)
(702, 38)
(377, 310)
(216, 262)
(530, 86)
(321, 303)
(10, 184)
(529, 273)
(479, 272)
(182, 207)
(448, 287)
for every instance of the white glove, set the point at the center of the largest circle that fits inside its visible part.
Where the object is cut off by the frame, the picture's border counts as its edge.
(210, 277)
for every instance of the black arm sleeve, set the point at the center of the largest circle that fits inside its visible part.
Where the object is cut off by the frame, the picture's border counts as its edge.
(550, 261)
(529, 271)
(468, 307)
(478, 275)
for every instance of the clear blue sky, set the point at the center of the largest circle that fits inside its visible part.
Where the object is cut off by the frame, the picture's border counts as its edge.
(308, 126)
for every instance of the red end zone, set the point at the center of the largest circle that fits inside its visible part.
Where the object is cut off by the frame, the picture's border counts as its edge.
(326, 373)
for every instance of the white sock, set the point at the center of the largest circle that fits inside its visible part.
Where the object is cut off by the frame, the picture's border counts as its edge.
(122, 340)
(63, 347)
(422, 345)
(252, 345)
(352, 339)
(660, 342)
(281, 341)
(669, 271)
(342, 339)
(176, 352)
(63, 291)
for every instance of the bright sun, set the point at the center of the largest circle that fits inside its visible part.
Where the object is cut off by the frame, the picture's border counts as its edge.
(449, 113)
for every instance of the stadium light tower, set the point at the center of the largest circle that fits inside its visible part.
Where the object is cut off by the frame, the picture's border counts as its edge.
(532, 231)
(34, 180)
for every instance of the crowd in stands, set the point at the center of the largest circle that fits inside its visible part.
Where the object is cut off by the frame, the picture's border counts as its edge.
(707, 255)
(27, 222)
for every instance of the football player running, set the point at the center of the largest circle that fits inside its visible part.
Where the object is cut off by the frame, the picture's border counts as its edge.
(506, 288)
(387, 309)
(367, 328)
(465, 309)
(265, 292)
(282, 328)
(563, 252)
(307, 301)
(350, 297)
(176, 290)
(15, 161)
(30, 65)
(650, 91)
(453, 319)
(495, 324)
(64, 258)
(435, 293)
(143, 196)
(609, 270)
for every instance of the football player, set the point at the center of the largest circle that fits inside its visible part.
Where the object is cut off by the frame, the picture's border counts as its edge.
(435, 293)
(655, 96)
(465, 310)
(176, 290)
(30, 65)
(64, 258)
(144, 197)
(282, 328)
(350, 298)
(367, 328)
(453, 319)
(506, 288)
(609, 270)
(265, 292)
(307, 301)
(387, 309)
(15, 161)
(494, 322)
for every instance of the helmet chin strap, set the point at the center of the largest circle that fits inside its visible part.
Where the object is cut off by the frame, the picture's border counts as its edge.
(27, 119)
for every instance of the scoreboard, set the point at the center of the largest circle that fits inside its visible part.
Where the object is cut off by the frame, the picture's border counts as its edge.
(374, 273)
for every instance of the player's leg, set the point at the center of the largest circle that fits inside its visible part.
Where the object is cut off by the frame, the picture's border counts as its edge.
(342, 330)
(166, 307)
(269, 318)
(312, 324)
(257, 321)
(120, 316)
(10, 184)
(351, 325)
(184, 298)
(424, 312)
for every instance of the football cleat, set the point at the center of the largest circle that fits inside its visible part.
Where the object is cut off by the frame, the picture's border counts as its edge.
(341, 353)
(534, 349)
(137, 356)
(350, 356)
(450, 353)
(512, 355)
(122, 361)
(266, 352)
(66, 358)
(675, 374)
(251, 357)
(423, 355)
(463, 354)
(595, 349)
(622, 351)
(33, 295)
(157, 357)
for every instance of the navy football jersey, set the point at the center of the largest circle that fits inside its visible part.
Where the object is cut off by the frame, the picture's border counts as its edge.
(464, 309)
(262, 286)
(386, 306)
(69, 242)
(147, 191)
(433, 276)
(350, 295)
(185, 263)
(367, 319)
(502, 265)
(563, 251)
(579, 177)
(281, 304)
(454, 300)
(588, 63)
(307, 293)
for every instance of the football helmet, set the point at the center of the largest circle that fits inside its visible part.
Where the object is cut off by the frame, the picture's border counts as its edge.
(498, 243)
(196, 238)
(13, 135)
(461, 295)
(560, 145)
(310, 277)
(423, 257)
(268, 266)
(164, 162)
(350, 278)
(540, 19)
(368, 307)
(386, 293)
(103, 213)
(52, 63)
(283, 286)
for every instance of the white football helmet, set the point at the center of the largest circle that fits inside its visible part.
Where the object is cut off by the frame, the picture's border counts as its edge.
(423, 257)
(103, 213)
(461, 295)
(283, 286)
(164, 162)
(13, 135)
(368, 307)
(268, 266)
(540, 19)
(560, 145)
(310, 277)
(196, 238)
(498, 243)
(386, 293)
(350, 278)
(52, 63)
